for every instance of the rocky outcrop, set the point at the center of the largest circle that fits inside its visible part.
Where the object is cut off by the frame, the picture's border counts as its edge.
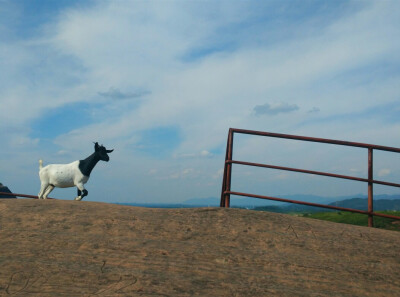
(5, 189)
(65, 248)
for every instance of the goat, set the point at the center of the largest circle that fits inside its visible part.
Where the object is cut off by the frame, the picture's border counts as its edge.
(73, 174)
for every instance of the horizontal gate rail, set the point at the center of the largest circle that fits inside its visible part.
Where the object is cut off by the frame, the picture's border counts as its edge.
(313, 204)
(20, 195)
(314, 172)
(226, 183)
(321, 140)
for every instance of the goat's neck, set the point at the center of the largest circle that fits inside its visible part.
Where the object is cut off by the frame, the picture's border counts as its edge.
(86, 166)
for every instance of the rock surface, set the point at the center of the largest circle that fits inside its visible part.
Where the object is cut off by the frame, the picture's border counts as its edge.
(70, 248)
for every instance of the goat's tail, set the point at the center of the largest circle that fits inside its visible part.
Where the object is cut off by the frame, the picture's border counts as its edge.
(40, 164)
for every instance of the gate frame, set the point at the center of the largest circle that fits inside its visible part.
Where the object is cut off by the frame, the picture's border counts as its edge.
(226, 182)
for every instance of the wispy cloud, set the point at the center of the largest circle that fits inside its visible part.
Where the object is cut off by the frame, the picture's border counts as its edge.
(201, 154)
(384, 172)
(314, 110)
(115, 93)
(274, 109)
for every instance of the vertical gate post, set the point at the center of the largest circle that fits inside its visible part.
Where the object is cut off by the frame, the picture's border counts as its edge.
(222, 202)
(226, 184)
(370, 189)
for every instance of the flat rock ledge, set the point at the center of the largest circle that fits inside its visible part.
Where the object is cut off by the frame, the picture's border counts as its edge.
(70, 248)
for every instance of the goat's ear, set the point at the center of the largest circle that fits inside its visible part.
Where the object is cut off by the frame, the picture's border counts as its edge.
(96, 146)
(109, 151)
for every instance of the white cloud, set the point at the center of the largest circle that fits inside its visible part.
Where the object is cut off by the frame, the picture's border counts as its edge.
(178, 175)
(205, 153)
(115, 93)
(201, 154)
(152, 171)
(384, 172)
(218, 174)
(314, 110)
(282, 176)
(274, 109)
(18, 141)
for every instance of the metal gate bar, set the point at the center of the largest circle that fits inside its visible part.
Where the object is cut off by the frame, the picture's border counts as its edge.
(21, 195)
(226, 183)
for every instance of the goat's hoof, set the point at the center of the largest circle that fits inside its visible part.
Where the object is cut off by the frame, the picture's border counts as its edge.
(79, 198)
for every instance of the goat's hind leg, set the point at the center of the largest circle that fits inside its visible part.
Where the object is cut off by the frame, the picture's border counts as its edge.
(43, 188)
(48, 191)
(82, 192)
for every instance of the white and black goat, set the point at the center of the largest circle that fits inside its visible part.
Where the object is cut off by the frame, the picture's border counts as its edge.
(73, 174)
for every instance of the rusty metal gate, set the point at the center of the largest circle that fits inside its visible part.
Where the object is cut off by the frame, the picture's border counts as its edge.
(226, 183)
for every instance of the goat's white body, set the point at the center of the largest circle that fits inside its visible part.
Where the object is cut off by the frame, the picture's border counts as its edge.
(69, 175)
(61, 176)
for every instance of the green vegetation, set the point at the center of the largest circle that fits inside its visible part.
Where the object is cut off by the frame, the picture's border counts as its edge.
(357, 219)
(380, 206)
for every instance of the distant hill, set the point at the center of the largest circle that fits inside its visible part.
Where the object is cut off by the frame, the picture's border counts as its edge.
(247, 202)
(380, 201)
(355, 203)
(362, 204)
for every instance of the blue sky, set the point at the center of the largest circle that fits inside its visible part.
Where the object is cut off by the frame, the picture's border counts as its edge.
(162, 82)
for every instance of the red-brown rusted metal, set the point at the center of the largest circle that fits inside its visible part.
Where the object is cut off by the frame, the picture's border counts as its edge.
(228, 175)
(321, 140)
(228, 156)
(370, 189)
(22, 195)
(314, 172)
(226, 185)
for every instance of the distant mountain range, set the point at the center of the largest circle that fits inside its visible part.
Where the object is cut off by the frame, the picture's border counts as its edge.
(253, 202)
(354, 203)
(381, 202)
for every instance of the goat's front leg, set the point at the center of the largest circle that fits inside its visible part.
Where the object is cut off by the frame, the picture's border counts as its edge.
(82, 192)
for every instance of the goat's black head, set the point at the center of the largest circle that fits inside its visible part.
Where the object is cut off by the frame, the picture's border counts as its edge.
(102, 152)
